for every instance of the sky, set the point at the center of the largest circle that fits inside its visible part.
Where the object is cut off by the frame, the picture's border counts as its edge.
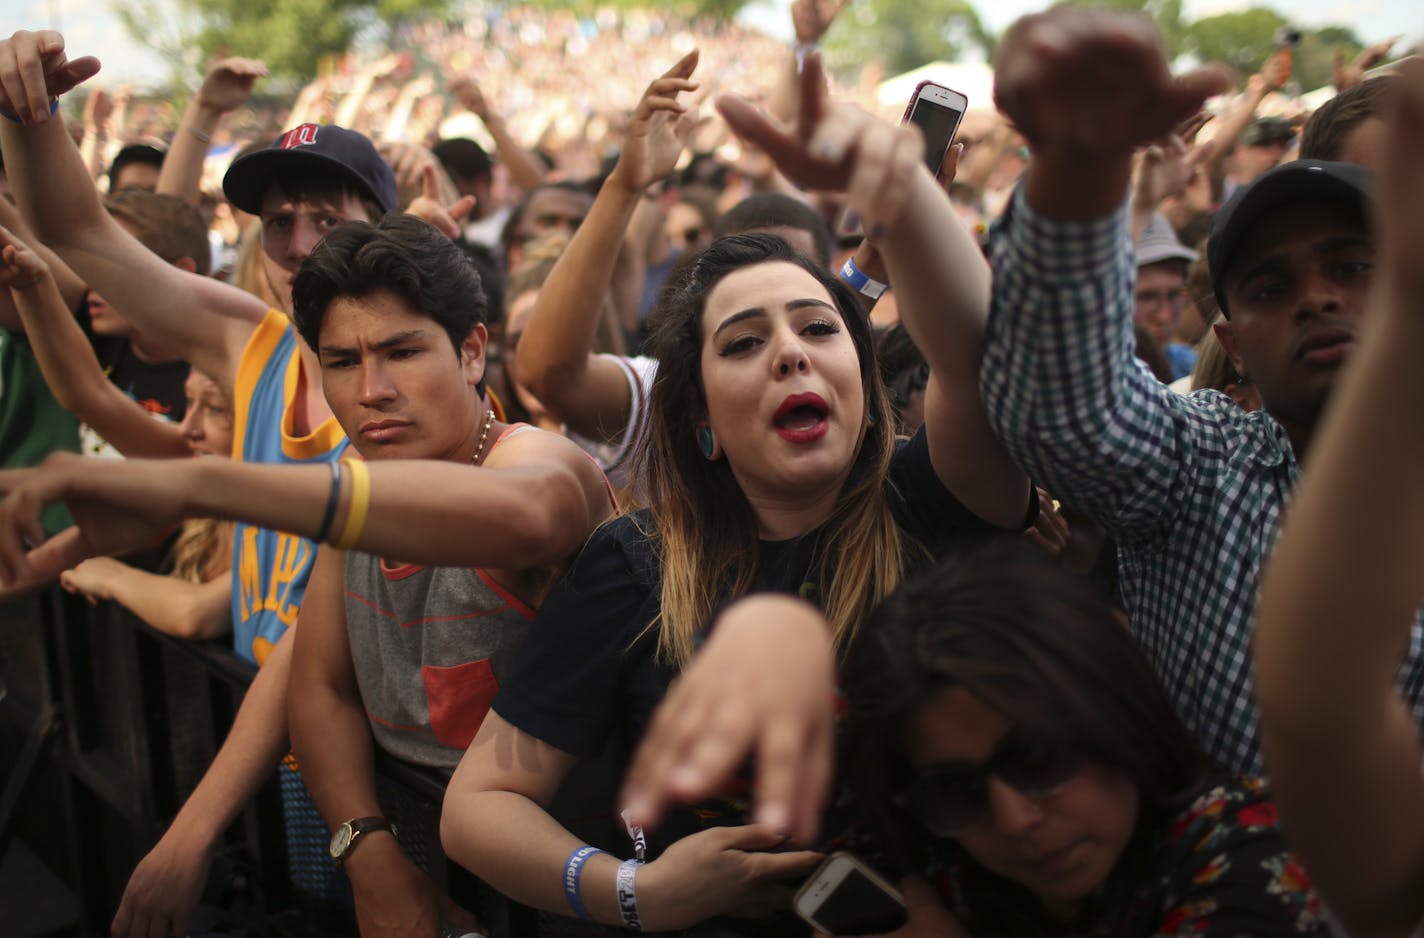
(91, 28)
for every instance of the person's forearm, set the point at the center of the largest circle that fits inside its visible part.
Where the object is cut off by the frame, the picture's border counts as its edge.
(71, 288)
(941, 282)
(1350, 550)
(426, 511)
(174, 606)
(511, 843)
(182, 172)
(554, 353)
(1077, 188)
(78, 382)
(332, 742)
(1231, 126)
(49, 181)
(350, 108)
(248, 757)
(524, 169)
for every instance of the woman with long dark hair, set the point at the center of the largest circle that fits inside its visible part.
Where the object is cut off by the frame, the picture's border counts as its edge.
(1012, 745)
(770, 463)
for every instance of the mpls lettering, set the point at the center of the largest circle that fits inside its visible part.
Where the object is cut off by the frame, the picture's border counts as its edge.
(285, 577)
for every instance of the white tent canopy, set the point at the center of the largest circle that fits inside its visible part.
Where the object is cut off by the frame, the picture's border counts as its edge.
(975, 80)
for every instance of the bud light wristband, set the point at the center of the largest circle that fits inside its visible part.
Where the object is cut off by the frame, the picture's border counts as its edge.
(573, 869)
(861, 281)
(627, 897)
(8, 115)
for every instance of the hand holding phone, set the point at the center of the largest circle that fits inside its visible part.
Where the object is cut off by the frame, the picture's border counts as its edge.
(937, 111)
(846, 897)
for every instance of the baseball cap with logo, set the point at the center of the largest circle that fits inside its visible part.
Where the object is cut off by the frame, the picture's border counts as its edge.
(1289, 183)
(345, 154)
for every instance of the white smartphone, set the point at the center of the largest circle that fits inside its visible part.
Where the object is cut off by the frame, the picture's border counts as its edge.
(937, 111)
(846, 897)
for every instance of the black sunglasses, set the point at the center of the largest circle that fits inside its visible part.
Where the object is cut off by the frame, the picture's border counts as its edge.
(949, 800)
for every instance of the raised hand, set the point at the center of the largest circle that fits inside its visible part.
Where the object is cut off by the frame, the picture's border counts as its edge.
(836, 147)
(228, 84)
(1080, 82)
(33, 69)
(811, 18)
(20, 266)
(763, 684)
(659, 129)
(97, 110)
(1165, 168)
(430, 206)
(467, 91)
(118, 506)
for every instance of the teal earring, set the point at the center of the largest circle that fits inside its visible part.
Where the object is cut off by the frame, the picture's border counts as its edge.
(706, 442)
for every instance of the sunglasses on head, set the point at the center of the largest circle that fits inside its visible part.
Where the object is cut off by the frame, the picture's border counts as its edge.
(948, 800)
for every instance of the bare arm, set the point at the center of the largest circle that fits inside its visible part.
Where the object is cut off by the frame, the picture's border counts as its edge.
(227, 86)
(494, 824)
(166, 885)
(532, 503)
(1342, 747)
(71, 288)
(525, 169)
(332, 740)
(941, 280)
(207, 322)
(172, 605)
(555, 359)
(69, 365)
(1241, 113)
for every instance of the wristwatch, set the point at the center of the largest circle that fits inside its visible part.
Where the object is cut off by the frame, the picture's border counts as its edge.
(344, 838)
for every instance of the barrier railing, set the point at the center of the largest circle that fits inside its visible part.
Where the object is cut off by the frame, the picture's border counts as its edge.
(106, 725)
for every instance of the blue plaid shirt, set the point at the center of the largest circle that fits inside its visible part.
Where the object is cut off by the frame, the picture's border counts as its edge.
(1190, 487)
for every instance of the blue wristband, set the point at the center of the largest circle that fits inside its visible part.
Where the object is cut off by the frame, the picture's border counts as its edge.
(573, 869)
(627, 896)
(865, 284)
(330, 514)
(53, 108)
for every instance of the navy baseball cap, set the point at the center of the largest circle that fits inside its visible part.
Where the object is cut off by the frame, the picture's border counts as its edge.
(1297, 181)
(342, 153)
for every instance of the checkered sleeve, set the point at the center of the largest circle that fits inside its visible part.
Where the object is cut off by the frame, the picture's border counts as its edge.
(1060, 381)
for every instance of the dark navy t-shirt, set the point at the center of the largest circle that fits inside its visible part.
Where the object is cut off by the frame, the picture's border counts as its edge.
(588, 671)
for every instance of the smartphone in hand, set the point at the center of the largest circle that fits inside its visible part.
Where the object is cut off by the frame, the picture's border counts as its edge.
(846, 897)
(937, 111)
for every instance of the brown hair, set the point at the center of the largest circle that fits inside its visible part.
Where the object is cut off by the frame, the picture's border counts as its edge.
(1324, 135)
(706, 529)
(165, 224)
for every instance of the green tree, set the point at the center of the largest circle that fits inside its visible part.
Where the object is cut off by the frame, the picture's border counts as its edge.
(719, 9)
(1242, 39)
(291, 36)
(1166, 13)
(905, 34)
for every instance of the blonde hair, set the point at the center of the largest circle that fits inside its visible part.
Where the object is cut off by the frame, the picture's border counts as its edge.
(705, 529)
(203, 550)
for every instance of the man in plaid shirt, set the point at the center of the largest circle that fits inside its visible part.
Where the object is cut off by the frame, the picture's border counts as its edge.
(1191, 488)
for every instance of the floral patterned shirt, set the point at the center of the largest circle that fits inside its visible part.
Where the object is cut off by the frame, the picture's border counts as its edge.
(1220, 869)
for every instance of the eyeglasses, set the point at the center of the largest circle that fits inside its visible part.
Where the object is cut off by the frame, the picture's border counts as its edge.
(949, 800)
(1152, 299)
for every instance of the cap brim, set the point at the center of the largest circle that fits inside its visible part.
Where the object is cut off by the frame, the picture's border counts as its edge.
(1302, 180)
(246, 181)
(1167, 252)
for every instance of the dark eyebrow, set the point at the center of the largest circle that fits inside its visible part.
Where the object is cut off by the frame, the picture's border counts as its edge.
(400, 338)
(1343, 243)
(735, 318)
(1271, 262)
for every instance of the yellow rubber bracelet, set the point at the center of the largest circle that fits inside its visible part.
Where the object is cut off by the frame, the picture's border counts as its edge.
(360, 504)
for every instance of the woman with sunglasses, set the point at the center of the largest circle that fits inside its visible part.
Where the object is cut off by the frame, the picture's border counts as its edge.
(1013, 747)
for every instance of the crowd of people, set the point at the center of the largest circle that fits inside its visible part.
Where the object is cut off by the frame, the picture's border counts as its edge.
(721, 463)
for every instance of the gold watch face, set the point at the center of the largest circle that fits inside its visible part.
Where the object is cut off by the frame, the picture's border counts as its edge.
(340, 840)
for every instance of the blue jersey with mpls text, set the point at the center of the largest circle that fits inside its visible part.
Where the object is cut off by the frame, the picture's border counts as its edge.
(270, 568)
